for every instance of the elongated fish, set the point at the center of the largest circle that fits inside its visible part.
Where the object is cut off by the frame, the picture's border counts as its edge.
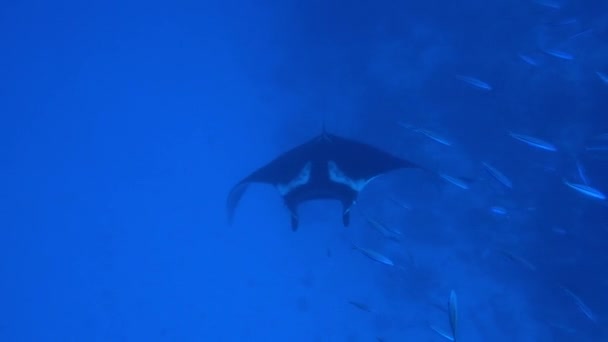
(527, 59)
(581, 172)
(519, 259)
(581, 305)
(429, 134)
(441, 333)
(499, 211)
(360, 306)
(499, 176)
(453, 312)
(475, 82)
(435, 137)
(559, 54)
(586, 190)
(580, 34)
(534, 142)
(602, 76)
(374, 255)
(458, 182)
(387, 232)
(400, 203)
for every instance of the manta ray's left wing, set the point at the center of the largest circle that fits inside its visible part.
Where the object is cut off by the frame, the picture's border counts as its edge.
(279, 171)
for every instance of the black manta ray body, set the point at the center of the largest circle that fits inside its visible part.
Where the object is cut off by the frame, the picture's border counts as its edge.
(326, 167)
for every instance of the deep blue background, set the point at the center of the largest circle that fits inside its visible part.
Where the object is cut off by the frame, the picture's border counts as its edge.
(125, 124)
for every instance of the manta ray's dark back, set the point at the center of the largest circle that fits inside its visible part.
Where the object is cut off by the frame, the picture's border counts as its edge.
(326, 167)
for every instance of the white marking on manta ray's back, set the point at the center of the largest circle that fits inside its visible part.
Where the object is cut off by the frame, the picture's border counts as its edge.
(337, 176)
(301, 179)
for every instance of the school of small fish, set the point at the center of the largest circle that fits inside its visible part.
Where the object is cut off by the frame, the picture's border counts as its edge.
(576, 183)
(580, 186)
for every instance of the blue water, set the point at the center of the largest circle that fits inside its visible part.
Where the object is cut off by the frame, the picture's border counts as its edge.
(125, 124)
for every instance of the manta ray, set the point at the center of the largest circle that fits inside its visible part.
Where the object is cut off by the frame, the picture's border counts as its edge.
(325, 167)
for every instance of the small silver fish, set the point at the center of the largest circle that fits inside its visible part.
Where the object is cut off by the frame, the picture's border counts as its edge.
(400, 204)
(405, 125)
(581, 172)
(499, 211)
(499, 176)
(441, 333)
(524, 262)
(431, 135)
(559, 54)
(528, 59)
(602, 76)
(453, 312)
(586, 190)
(458, 182)
(374, 255)
(534, 142)
(580, 34)
(475, 82)
(559, 231)
(434, 136)
(387, 232)
(568, 21)
(581, 305)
